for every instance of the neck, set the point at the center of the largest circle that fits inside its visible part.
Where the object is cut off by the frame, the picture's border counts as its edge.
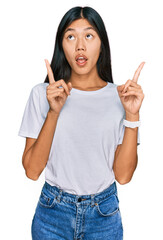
(85, 81)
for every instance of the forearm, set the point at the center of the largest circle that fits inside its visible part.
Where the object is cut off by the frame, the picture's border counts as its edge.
(126, 160)
(37, 156)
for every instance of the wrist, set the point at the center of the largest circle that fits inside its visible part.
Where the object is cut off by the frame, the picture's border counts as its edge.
(52, 113)
(132, 117)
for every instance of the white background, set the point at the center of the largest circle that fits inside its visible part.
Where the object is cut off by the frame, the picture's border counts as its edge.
(28, 30)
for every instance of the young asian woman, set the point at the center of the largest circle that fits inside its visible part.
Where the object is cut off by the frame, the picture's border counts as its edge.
(75, 130)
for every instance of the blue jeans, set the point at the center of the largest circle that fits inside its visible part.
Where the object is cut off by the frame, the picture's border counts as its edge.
(61, 215)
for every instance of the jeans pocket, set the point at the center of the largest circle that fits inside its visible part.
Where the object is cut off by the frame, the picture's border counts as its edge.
(47, 199)
(108, 206)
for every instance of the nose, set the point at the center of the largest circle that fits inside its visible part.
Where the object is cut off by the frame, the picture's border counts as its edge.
(80, 45)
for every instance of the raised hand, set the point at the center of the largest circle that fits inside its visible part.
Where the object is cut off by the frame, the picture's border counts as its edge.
(131, 93)
(56, 96)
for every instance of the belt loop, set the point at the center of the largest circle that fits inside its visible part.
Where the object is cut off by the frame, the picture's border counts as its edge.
(92, 200)
(59, 195)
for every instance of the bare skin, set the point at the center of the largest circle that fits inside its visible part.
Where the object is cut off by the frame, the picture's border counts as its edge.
(81, 38)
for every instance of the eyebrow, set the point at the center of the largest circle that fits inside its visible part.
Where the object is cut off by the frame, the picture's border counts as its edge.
(72, 29)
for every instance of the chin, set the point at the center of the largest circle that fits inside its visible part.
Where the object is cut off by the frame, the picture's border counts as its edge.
(82, 72)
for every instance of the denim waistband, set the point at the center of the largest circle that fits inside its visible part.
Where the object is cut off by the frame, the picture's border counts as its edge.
(72, 198)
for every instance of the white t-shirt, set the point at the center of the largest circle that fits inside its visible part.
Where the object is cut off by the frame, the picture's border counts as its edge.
(88, 130)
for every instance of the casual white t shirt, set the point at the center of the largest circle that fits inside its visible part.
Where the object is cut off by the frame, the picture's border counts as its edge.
(88, 130)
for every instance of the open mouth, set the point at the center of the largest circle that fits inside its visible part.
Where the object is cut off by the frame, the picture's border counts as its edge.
(81, 60)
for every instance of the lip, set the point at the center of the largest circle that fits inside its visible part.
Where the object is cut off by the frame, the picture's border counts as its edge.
(81, 55)
(81, 64)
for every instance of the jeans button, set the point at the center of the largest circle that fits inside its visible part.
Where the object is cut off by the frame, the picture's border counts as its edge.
(79, 199)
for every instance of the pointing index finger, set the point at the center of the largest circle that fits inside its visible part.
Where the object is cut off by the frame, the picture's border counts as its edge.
(50, 72)
(137, 73)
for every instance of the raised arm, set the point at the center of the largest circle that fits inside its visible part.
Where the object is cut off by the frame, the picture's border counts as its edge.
(125, 161)
(37, 151)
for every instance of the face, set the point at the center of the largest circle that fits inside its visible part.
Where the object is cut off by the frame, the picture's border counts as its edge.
(81, 45)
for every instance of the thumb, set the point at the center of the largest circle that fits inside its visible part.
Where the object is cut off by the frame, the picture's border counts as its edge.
(70, 85)
(120, 87)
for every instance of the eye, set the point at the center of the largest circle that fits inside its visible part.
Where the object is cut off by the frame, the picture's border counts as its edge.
(89, 36)
(70, 37)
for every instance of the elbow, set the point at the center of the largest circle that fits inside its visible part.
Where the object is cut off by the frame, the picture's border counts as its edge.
(123, 181)
(125, 176)
(31, 176)
(30, 173)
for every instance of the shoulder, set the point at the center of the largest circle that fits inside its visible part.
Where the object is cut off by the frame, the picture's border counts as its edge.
(40, 87)
(112, 85)
(38, 93)
(117, 98)
(39, 97)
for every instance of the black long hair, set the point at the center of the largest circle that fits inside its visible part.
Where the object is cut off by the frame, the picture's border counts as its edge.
(59, 64)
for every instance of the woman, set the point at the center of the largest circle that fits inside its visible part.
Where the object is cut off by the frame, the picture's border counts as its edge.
(83, 130)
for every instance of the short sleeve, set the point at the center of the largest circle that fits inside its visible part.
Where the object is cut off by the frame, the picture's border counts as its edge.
(121, 134)
(32, 119)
